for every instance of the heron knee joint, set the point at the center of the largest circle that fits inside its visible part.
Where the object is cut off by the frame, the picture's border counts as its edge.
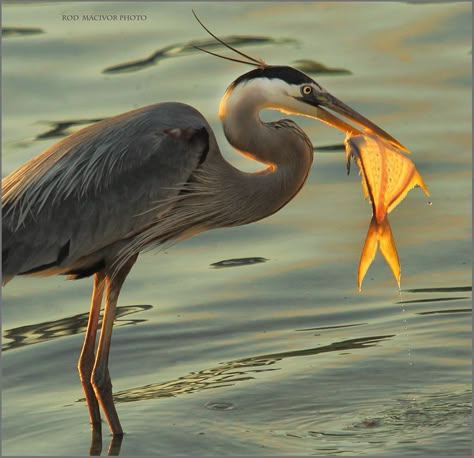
(100, 381)
(85, 366)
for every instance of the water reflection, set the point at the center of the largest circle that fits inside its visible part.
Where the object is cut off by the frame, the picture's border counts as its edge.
(238, 262)
(49, 330)
(440, 298)
(317, 68)
(180, 49)
(60, 128)
(331, 327)
(8, 32)
(435, 312)
(432, 299)
(229, 373)
(329, 148)
(449, 289)
(115, 445)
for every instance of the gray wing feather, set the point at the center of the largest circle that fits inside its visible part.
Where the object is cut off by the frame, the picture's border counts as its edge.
(99, 185)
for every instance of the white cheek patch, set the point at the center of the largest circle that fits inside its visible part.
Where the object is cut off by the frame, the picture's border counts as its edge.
(265, 93)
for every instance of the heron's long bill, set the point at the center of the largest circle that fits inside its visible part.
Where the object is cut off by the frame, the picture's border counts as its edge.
(329, 101)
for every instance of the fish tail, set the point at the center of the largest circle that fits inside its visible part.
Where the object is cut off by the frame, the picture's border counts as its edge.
(378, 234)
(368, 252)
(389, 251)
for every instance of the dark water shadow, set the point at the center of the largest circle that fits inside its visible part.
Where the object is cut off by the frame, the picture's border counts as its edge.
(449, 289)
(440, 298)
(435, 312)
(321, 328)
(329, 148)
(232, 372)
(237, 262)
(77, 324)
(432, 299)
(8, 32)
(181, 49)
(60, 128)
(317, 68)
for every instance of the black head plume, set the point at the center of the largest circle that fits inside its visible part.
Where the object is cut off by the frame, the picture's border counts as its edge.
(251, 60)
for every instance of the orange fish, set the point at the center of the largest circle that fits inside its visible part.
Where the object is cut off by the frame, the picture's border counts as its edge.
(387, 176)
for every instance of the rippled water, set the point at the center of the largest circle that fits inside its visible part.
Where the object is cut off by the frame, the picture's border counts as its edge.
(254, 340)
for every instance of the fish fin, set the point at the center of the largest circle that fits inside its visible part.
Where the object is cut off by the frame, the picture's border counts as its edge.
(419, 181)
(388, 249)
(415, 180)
(368, 252)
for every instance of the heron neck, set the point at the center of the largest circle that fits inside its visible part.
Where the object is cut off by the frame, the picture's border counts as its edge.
(281, 145)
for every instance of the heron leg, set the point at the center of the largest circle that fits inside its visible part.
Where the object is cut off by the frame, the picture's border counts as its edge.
(87, 357)
(101, 381)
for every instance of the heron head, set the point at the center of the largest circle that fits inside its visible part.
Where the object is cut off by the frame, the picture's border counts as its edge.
(291, 91)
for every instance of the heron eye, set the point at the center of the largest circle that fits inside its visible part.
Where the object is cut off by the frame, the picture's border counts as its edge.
(306, 90)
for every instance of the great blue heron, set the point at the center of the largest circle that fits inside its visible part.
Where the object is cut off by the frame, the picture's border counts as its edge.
(90, 203)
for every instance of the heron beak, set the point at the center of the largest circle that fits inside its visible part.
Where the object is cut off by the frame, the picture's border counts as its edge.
(332, 103)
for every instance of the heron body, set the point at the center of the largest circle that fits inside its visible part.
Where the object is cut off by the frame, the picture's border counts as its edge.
(130, 182)
(89, 204)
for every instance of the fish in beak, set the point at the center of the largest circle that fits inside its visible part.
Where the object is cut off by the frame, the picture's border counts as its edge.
(387, 177)
(320, 101)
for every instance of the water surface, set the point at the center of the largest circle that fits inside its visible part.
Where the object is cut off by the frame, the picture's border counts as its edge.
(277, 353)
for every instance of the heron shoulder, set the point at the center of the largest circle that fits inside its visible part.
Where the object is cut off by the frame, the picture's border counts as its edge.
(174, 114)
(99, 184)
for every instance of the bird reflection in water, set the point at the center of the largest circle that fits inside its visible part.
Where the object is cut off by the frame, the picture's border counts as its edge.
(77, 324)
(96, 445)
(69, 326)
(231, 372)
(226, 374)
